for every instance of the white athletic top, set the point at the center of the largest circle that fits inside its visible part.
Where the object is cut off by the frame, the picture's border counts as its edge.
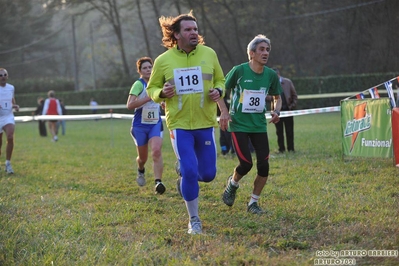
(6, 96)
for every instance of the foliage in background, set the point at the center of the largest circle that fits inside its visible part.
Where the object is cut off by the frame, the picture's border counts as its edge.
(333, 84)
(342, 83)
(309, 38)
(119, 95)
(102, 97)
(41, 85)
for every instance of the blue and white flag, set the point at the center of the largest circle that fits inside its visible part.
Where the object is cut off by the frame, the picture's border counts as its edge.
(360, 96)
(388, 86)
(374, 93)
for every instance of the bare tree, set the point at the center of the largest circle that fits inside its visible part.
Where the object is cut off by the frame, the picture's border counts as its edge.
(309, 38)
(147, 42)
(109, 9)
(111, 12)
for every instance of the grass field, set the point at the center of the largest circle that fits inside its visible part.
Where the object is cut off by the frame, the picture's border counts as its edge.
(76, 202)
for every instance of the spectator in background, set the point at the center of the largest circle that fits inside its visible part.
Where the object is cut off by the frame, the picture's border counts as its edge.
(226, 145)
(147, 128)
(62, 122)
(52, 106)
(7, 122)
(225, 138)
(289, 100)
(93, 105)
(39, 111)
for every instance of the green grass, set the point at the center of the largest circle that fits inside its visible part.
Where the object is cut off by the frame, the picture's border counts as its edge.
(76, 202)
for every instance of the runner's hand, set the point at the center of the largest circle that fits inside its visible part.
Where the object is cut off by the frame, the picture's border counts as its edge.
(275, 118)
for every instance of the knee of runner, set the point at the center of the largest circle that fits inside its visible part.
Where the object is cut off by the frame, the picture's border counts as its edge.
(207, 174)
(209, 178)
(189, 173)
(244, 168)
(156, 153)
(263, 169)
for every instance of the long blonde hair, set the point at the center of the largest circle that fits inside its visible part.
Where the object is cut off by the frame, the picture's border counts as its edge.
(171, 25)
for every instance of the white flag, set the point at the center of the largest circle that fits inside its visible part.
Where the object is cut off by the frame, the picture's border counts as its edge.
(388, 86)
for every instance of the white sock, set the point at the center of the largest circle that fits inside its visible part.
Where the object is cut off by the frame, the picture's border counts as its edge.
(8, 162)
(234, 183)
(254, 198)
(192, 207)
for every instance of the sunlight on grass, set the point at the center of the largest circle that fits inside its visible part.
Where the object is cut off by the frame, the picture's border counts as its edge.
(76, 202)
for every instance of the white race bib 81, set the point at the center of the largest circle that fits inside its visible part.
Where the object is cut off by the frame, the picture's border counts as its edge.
(150, 113)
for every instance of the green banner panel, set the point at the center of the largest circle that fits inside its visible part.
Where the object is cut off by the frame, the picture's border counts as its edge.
(366, 128)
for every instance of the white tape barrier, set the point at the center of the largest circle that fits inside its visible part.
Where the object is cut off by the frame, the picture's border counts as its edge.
(80, 107)
(71, 117)
(123, 106)
(308, 111)
(127, 116)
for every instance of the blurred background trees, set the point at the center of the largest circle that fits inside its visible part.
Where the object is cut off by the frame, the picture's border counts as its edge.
(95, 43)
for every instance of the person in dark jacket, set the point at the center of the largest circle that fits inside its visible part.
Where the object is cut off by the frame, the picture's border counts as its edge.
(289, 99)
(42, 123)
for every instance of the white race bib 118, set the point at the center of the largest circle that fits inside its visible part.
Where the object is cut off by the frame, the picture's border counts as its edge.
(188, 80)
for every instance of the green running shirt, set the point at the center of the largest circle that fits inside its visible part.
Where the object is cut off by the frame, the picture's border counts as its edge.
(248, 97)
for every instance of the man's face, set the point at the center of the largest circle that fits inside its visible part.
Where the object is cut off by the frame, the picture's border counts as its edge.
(3, 77)
(187, 38)
(261, 54)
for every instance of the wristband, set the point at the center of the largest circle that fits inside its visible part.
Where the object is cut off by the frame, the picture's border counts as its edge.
(220, 91)
(276, 112)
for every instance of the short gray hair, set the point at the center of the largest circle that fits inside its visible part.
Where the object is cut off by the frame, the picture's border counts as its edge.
(255, 41)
